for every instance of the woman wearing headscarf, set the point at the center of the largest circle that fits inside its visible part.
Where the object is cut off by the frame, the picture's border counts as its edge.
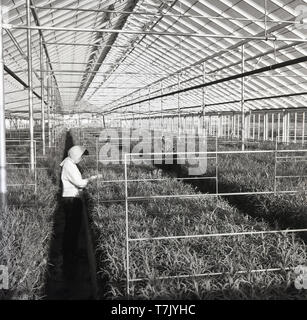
(73, 186)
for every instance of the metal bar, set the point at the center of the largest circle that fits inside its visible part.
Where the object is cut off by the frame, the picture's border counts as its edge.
(30, 81)
(26, 86)
(233, 47)
(100, 72)
(210, 274)
(265, 126)
(281, 177)
(16, 44)
(286, 95)
(48, 109)
(3, 172)
(242, 98)
(36, 19)
(127, 226)
(226, 234)
(288, 127)
(303, 129)
(42, 95)
(101, 55)
(234, 77)
(174, 34)
(85, 45)
(222, 194)
(157, 179)
(284, 126)
(295, 126)
(222, 152)
(164, 15)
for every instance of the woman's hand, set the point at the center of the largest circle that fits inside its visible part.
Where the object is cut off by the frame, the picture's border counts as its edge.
(98, 176)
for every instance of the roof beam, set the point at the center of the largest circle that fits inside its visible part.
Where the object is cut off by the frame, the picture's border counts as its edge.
(25, 85)
(87, 79)
(36, 20)
(230, 78)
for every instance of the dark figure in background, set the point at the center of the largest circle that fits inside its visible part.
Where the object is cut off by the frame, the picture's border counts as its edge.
(171, 165)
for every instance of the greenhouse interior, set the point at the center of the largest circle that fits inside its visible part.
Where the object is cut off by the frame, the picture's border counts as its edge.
(153, 149)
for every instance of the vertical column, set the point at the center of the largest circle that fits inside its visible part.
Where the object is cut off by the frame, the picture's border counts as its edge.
(178, 106)
(248, 125)
(254, 126)
(30, 83)
(265, 126)
(303, 128)
(284, 126)
(49, 106)
(286, 130)
(273, 126)
(149, 109)
(219, 126)
(203, 99)
(161, 101)
(288, 127)
(295, 126)
(42, 78)
(3, 179)
(228, 125)
(259, 126)
(238, 126)
(242, 99)
(232, 124)
(209, 125)
(53, 112)
(278, 127)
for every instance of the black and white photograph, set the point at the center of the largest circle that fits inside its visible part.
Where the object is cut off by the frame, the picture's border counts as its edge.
(153, 153)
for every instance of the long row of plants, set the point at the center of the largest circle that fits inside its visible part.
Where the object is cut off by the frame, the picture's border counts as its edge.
(257, 173)
(231, 258)
(253, 172)
(27, 226)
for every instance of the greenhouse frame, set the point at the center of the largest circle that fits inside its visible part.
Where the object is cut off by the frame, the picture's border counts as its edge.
(230, 75)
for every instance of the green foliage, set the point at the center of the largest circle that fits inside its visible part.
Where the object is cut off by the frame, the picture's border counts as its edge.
(27, 227)
(233, 256)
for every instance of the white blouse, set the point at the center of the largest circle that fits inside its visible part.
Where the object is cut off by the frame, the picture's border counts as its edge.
(71, 179)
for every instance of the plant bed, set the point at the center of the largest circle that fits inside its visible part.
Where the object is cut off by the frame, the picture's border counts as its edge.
(228, 255)
(27, 227)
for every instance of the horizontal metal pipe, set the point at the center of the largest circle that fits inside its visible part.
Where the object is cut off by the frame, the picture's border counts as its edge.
(211, 83)
(216, 152)
(210, 274)
(206, 195)
(157, 14)
(100, 72)
(231, 48)
(37, 22)
(174, 34)
(85, 44)
(13, 74)
(201, 195)
(226, 234)
(23, 55)
(286, 95)
(106, 88)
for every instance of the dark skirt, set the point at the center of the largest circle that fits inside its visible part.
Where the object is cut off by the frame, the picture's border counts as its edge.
(73, 218)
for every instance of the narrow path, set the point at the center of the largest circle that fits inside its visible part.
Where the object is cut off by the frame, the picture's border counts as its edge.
(57, 287)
